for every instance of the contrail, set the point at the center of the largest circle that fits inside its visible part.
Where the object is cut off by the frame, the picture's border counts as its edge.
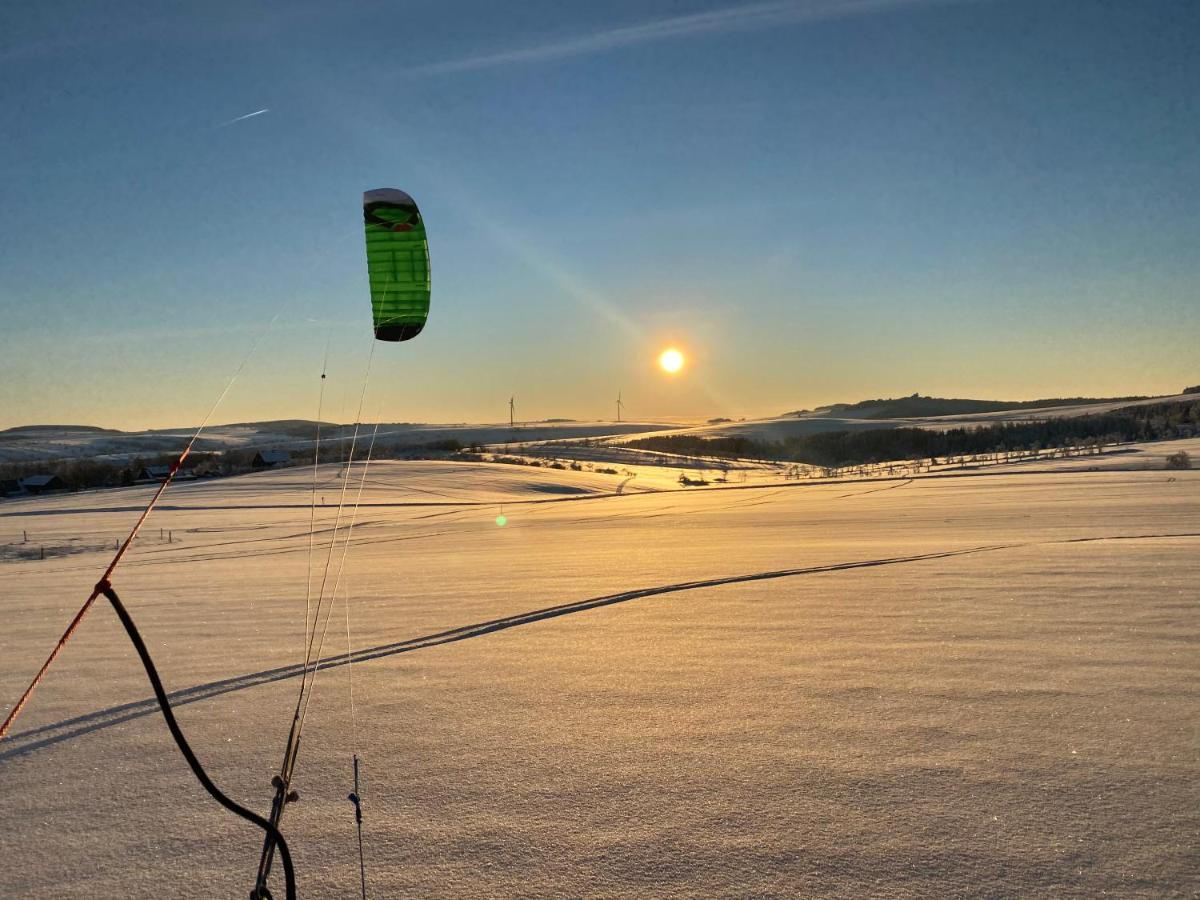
(752, 17)
(246, 116)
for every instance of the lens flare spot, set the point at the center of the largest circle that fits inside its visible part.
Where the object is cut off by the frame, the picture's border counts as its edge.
(501, 521)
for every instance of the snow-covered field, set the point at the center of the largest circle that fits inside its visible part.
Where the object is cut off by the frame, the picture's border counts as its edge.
(949, 686)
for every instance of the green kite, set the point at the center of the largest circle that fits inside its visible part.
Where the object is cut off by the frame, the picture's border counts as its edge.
(397, 264)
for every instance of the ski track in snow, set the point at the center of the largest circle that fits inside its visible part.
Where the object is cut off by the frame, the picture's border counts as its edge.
(25, 742)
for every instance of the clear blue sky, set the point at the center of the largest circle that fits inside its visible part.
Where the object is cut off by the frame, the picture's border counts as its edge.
(816, 201)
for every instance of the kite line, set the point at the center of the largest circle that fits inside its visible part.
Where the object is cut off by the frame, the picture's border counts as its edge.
(116, 560)
(282, 782)
(104, 588)
(398, 271)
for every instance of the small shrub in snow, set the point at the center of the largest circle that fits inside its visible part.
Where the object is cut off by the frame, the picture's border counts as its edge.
(1179, 460)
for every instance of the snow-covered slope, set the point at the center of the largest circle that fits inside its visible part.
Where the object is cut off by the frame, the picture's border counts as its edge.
(934, 687)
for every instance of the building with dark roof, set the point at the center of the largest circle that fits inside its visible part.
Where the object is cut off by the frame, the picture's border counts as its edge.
(42, 484)
(269, 459)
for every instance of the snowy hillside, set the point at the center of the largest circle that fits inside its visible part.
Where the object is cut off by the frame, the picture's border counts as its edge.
(923, 687)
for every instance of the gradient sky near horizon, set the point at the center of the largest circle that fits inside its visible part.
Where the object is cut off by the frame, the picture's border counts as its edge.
(816, 201)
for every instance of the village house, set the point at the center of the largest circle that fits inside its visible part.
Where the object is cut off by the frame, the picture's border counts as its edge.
(269, 459)
(147, 474)
(42, 484)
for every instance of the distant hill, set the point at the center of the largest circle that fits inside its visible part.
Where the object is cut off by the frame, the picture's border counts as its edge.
(1164, 419)
(916, 406)
(302, 428)
(43, 443)
(43, 429)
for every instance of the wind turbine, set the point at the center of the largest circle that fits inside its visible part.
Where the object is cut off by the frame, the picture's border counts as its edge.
(619, 405)
(512, 411)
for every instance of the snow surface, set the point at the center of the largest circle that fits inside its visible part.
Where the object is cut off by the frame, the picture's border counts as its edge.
(945, 686)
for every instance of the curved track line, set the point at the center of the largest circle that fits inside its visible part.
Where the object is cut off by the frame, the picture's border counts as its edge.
(890, 487)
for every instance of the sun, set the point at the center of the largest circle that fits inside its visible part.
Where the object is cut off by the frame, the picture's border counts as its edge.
(671, 360)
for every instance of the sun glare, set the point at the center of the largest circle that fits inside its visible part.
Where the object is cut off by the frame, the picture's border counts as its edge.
(671, 360)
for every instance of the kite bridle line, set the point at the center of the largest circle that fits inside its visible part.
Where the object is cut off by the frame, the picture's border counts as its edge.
(137, 526)
(311, 663)
(283, 781)
(356, 796)
(312, 510)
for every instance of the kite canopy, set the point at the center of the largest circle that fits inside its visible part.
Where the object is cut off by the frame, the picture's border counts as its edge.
(397, 264)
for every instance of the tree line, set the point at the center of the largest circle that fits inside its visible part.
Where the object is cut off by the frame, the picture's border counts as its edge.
(84, 474)
(78, 474)
(1158, 421)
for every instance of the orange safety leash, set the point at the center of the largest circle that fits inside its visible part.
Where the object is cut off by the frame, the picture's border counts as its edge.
(96, 591)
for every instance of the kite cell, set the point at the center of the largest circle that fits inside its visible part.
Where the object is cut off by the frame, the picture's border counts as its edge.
(397, 264)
